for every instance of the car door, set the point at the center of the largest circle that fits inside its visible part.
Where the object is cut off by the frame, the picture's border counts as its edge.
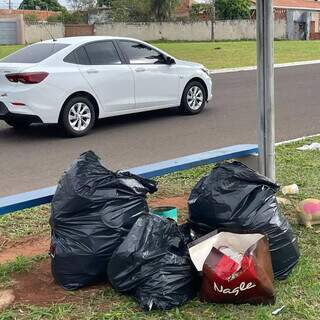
(111, 79)
(156, 82)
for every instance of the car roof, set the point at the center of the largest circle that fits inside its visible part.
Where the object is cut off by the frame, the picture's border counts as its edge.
(85, 39)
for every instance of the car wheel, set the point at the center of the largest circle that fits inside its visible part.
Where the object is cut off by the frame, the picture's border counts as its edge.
(193, 99)
(18, 124)
(78, 117)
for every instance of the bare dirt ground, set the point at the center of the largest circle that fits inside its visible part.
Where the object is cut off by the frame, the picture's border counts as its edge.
(38, 287)
(27, 247)
(32, 246)
(179, 202)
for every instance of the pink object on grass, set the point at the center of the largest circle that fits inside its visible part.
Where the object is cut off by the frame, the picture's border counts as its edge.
(312, 207)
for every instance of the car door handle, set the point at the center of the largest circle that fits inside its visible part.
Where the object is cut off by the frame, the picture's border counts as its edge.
(141, 70)
(92, 71)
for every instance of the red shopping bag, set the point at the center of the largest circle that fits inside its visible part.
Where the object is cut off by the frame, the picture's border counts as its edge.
(237, 269)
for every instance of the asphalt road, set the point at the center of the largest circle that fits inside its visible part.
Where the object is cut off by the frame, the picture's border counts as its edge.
(37, 157)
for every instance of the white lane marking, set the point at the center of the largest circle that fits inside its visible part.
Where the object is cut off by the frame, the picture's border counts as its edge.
(277, 66)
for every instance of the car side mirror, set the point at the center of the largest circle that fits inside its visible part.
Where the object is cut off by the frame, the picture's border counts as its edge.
(170, 60)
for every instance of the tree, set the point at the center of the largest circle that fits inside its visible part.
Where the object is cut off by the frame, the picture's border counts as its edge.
(50, 5)
(163, 9)
(201, 11)
(130, 10)
(235, 9)
(104, 3)
(82, 5)
(143, 10)
(69, 17)
(30, 18)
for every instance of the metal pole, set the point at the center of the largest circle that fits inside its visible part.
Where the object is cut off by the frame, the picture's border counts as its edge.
(213, 19)
(265, 63)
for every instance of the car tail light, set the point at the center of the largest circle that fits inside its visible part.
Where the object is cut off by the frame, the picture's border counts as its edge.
(27, 77)
(18, 104)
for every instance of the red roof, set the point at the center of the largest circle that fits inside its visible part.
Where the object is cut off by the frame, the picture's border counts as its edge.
(296, 4)
(41, 14)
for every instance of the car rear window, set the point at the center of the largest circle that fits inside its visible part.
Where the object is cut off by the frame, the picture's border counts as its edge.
(35, 53)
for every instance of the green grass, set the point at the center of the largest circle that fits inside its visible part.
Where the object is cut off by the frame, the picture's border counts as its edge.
(228, 54)
(19, 265)
(239, 53)
(179, 183)
(53, 312)
(25, 223)
(300, 293)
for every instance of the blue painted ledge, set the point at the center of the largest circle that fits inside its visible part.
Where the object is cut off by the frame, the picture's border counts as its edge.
(43, 196)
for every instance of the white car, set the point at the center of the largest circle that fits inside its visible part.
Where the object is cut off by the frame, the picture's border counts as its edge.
(75, 81)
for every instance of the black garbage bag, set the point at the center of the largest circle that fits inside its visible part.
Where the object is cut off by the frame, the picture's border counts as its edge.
(93, 210)
(235, 198)
(153, 264)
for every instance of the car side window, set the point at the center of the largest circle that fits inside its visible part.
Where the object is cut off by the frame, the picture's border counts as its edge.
(139, 53)
(82, 56)
(78, 56)
(71, 58)
(102, 53)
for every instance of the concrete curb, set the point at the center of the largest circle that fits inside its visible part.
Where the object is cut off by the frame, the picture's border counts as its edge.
(297, 139)
(252, 68)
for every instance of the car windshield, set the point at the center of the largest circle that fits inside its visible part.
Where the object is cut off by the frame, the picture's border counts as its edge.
(34, 53)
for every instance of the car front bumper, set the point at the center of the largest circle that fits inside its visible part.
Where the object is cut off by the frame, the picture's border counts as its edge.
(209, 83)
